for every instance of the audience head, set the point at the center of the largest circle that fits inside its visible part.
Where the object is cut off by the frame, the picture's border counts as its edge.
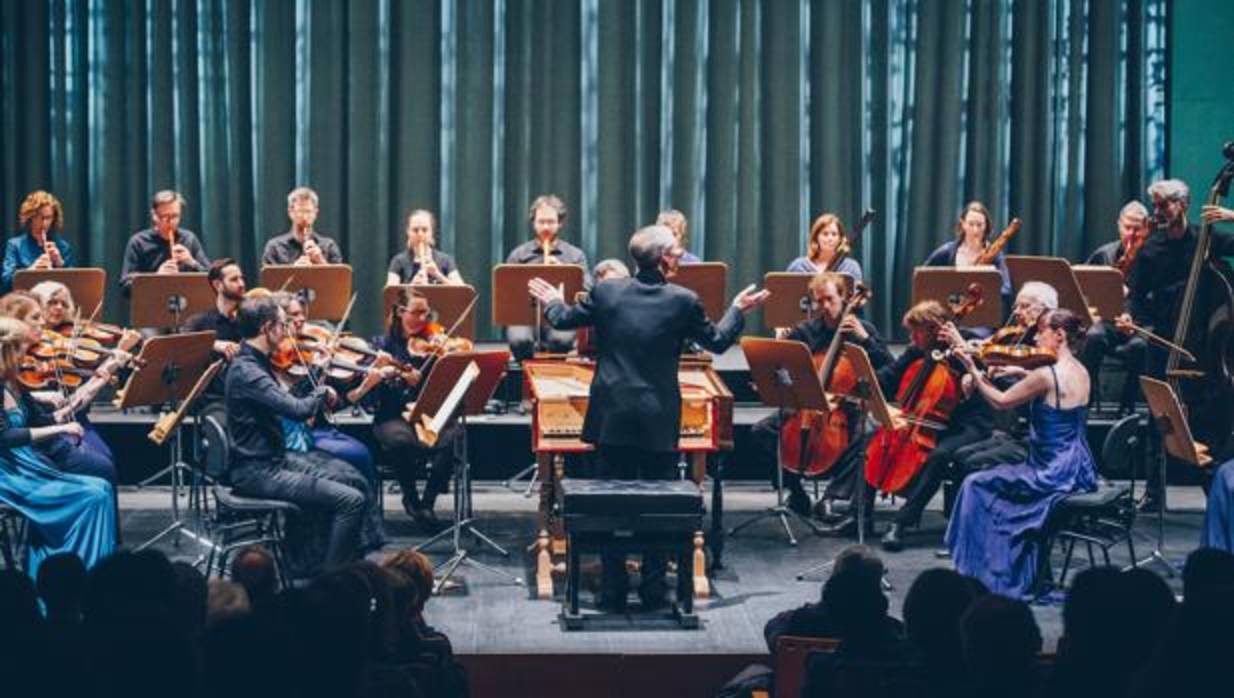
(1208, 571)
(1000, 640)
(853, 595)
(62, 586)
(225, 601)
(253, 568)
(416, 585)
(932, 610)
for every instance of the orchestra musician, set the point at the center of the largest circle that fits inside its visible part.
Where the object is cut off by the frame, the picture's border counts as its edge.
(634, 412)
(227, 279)
(261, 465)
(302, 245)
(165, 247)
(547, 215)
(972, 237)
(676, 221)
(34, 246)
(611, 268)
(1103, 339)
(422, 262)
(828, 250)
(829, 291)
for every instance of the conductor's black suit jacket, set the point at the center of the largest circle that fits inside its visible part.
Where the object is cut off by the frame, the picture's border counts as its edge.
(640, 326)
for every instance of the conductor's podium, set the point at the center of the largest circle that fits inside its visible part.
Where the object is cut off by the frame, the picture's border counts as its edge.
(628, 516)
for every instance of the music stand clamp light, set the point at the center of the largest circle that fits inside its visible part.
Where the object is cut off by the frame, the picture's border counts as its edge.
(323, 289)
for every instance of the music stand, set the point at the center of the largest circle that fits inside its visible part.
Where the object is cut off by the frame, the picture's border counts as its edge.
(709, 280)
(790, 301)
(164, 301)
(784, 377)
(169, 369)
(448, 301)
(86, 284)
(513, 304)
(324, 289)
(1056, 272)
(1167, 414)
(440, 398)
(1103, 287)
(949, 286)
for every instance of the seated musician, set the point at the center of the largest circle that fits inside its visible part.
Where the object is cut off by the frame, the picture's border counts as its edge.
(302, 245)
(547, 215)
(1103, 339)
(1218, 531)
(261, 465)
(676, 221)
(610, 268)
(829, 290)
(227, 279)
(634, 410)
(34, 246)
(972, 237)
(165, 247)
(829, 249)
(407, 328)
(422, 262)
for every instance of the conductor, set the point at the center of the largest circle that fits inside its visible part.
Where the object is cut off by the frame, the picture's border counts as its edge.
(641, 325)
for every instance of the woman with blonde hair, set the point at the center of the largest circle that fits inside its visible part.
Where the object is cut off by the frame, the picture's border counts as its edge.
(33, 247)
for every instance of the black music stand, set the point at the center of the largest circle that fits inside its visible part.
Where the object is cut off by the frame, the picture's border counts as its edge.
(324, 289)
(949, 286)
(790, 301)
(169, 368)
(784, 376)
(707, 279)
(459, 385)
(85, 284)
(513, 304)
(449, 301)
(165, 301)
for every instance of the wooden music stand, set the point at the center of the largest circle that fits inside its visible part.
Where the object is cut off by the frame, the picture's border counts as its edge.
(448, 301)
(513, 304)
(1103, 287)
(86, 284)
(949, 286)
(710, 281)
(1056, 272)
(324, 289)
(790, 300)
(167, 300)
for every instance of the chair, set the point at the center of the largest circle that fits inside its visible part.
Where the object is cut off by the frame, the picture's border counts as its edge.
(12, 529)
(239, 521)
(792, 653)
(1103, 518)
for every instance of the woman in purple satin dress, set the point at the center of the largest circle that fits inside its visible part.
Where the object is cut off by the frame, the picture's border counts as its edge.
(994, 533)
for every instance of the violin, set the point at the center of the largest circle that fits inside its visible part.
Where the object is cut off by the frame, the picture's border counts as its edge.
(104, 334)
(811, 441)
(80, 352)
(34, 374)
(1124, 263)
(437, 342)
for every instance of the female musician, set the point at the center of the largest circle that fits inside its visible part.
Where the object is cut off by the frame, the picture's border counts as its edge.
(998, 512)
(972, 236)
(409, 320)
(675, 221)
(828, 250)
(68, 512)
(422, 262)
(34, 247)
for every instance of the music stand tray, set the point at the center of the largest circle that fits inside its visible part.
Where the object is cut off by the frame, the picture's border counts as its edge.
(86, 284)
(167, 300)
(1056, 272)
(1103, 287)
(949, 286)
(325, 289)
(447, 300)
(709, 280)
(513, 304)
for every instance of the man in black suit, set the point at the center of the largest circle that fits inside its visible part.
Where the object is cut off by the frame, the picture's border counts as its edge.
(634, 413)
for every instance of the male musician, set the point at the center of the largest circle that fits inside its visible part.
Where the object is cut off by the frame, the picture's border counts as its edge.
(829, 291)
(227, 280)
(40, 214)
(676, 221)
(1102, 340)
(422, 262)
(634, 412)
(547, 215)
(261, 465)
(302, 245)
(165, 247)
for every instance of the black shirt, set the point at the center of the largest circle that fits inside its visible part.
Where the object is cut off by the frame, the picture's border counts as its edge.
(407, 267)
(225, 330)
(287, 248)
(1160, 273)
(255, 401)
(817, 336)
(1108, 254)
(147, 250)
(392, 396)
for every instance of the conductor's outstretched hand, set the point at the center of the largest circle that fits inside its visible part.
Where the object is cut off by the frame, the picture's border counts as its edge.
(749, 299)
(544, 292)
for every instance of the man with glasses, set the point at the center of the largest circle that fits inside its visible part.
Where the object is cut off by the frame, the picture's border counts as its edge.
(165, 247)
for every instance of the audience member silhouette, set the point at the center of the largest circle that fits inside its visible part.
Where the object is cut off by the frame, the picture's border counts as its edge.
(253, 568)
(933, 607)
(423, 650)
(1000, 640)
(225, 601)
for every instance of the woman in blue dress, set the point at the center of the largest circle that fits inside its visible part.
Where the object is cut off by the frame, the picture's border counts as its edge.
(1218, 531)
(66, 512)
(828, 250)
(994, 533)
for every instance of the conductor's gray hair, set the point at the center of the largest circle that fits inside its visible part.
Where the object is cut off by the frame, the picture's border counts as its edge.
(649, 244)
(1171, 190)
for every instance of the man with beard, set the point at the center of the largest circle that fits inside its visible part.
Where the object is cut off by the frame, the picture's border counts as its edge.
(227, 280)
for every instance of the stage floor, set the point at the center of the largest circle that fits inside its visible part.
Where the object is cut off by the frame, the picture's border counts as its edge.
(491, 616)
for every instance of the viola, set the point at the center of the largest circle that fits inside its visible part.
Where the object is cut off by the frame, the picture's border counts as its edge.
(811, 441)
(1020, 355)
(928, 393)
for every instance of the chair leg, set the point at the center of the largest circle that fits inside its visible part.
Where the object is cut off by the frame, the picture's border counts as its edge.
(1131, 547)
(1062, 576)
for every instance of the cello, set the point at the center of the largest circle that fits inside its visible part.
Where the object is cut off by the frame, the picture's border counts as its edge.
(928, 392)
(811, 441)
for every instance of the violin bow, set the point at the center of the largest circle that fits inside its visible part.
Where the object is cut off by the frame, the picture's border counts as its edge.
(461, 317)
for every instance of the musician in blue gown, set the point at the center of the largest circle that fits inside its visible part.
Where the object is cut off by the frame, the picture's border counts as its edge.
(1218, 531)
(994, 533)
(66, 512)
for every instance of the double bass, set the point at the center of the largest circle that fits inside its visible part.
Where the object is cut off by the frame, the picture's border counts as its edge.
(928, 392)
(811, 441)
